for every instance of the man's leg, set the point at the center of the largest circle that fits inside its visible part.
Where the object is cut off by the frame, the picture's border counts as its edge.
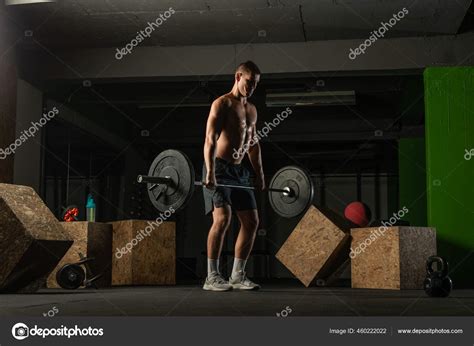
(243, 246)
(221, 220)
(220, 224)
(248, 229)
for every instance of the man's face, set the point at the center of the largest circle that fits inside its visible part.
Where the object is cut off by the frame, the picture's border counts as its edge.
(248, 83)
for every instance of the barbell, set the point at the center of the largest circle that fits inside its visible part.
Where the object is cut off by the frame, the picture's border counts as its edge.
(170, 184)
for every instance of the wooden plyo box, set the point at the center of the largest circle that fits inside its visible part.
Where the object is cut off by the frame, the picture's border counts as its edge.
(91, 239)
(391, 257)
(32, 241)
(315, 247)
(143, 253)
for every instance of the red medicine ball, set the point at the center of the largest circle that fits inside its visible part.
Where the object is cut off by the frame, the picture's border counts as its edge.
(358, 213)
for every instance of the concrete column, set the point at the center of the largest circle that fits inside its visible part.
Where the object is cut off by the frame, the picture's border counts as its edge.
(29, 109)
(8, 78)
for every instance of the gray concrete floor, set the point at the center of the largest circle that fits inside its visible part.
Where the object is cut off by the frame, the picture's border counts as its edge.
(273, 298)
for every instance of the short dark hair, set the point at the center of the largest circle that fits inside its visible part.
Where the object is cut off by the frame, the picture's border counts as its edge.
(248, 66)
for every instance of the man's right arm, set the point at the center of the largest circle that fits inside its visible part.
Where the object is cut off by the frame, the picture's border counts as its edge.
(213, 131)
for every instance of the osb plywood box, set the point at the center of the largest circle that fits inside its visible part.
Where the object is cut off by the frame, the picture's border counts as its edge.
(315, 247)
(391, 257)
(32, 241)
(144, 253)
(91, 239)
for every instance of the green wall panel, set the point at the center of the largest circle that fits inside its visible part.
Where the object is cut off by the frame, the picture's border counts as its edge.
(449, 126)
(412, 179)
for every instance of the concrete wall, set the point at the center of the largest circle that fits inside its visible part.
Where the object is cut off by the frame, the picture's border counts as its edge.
(320, 56)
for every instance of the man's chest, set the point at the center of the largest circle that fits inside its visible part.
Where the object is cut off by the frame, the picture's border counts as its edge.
(240, 117)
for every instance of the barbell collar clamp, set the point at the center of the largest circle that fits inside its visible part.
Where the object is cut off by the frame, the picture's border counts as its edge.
(154, 180)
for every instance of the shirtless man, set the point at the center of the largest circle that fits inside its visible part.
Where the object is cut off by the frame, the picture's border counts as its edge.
(230, 127)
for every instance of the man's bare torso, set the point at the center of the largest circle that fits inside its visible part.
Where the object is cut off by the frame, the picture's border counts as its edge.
(237, 127)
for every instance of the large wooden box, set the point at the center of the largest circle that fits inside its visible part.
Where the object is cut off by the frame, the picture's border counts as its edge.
(316, 247)
(144, 253)
(91, 239)
(32, 241)
(391, 257)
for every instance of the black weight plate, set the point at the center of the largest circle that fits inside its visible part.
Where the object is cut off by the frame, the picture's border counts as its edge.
(299, 181)
(71, 276)
(176, 165)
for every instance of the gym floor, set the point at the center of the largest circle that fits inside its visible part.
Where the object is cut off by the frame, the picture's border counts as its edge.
(283, 296)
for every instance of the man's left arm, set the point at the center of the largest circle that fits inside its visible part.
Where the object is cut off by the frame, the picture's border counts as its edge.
(255, 157)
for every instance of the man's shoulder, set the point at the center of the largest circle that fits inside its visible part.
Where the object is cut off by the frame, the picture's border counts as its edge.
(223, 101)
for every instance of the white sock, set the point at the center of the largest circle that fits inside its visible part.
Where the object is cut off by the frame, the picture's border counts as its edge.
(212, 266)
(239, 267)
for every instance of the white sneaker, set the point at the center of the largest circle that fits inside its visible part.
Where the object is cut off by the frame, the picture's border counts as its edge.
(241, 282)
(216, 282)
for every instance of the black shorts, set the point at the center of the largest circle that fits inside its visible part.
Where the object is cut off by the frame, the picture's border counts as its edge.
(229, 173)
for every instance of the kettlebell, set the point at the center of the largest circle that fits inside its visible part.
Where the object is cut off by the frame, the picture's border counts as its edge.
(437, 283)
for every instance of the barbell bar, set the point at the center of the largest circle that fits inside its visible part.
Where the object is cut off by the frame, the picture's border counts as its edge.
(168, 181)
(171, 184)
